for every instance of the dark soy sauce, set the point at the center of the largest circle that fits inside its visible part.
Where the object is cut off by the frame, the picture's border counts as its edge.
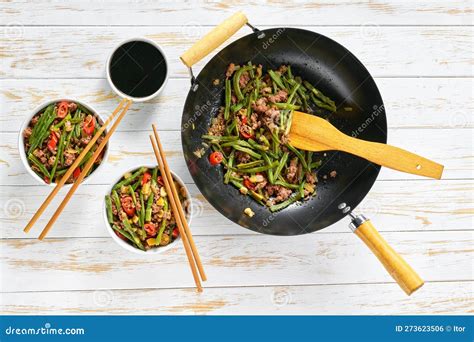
(138, 69)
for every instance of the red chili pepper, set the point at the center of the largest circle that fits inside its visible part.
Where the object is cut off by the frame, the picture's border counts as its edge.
(245, 131)
(89, 125)
(150, 229)
(63, 109)
(76, 173)
(160, 180)
(215, 158)
(244, 120)
(46, 179)
(248, 184)
(53, 141)
(175, 233)
(146, 177)
(127, 205)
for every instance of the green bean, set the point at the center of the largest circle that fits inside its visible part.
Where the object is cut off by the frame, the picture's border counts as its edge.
(163, 223)
(124, 233)
(77, 131)
(260, 168)
(116, 199)
(236, 81)
(62, 122)
(142, 210)
(301, 188)
(149, 203)
(269, 171)
(322, 104)
(299, 155)
(282, 163)
(229, 171)
(130, 179)
(108, 208)
(254, 144)
(227, 99)
(134, 236)
(236, 142)
(154, 174)
(62, 140)
(220, 138)
(132, 194)
(276, 79)
(236, 107)
(316, 164)
(43, 131)
(39, 165)
(282, 105)
(248, 151)
(250, 164)
(286, 203)
(287, 185)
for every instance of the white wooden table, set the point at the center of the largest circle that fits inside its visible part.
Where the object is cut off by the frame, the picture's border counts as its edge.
(421, 55)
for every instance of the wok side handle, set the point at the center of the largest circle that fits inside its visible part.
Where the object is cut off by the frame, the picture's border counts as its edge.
(396, 266)
(213, 39)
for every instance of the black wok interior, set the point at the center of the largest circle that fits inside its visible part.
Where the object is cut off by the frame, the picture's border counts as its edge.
(339, 75)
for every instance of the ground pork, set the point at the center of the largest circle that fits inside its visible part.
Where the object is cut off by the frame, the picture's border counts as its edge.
(281, 96)
(254, 121)
(40, 155)
(279, 192)
(291, 172)
(27, 132)
(260, 106)
(271, 118)
(69, 158)
(333, 174)
(310, 178)
(84, 141)
(244, 79)
(242, 157)
(230, 70)
(218, 125)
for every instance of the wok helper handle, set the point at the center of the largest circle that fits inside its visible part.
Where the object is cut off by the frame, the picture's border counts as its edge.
(214, 39)
(396, 266)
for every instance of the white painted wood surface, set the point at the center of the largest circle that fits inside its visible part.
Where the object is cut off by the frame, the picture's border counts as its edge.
(421, 54)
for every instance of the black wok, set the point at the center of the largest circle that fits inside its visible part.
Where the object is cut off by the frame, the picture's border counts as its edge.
(339, 75)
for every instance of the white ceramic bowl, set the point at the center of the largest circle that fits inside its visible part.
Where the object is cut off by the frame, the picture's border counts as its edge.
(126, 245)
(121, 94)
(21, 146)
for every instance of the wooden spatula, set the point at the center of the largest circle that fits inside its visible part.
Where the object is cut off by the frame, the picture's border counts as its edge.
(311, 133)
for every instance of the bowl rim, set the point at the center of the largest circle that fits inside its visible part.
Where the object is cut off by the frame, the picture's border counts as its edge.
(36, 110)
(127, 246)
(120, 93)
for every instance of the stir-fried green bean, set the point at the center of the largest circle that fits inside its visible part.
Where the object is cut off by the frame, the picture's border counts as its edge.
(251, 133)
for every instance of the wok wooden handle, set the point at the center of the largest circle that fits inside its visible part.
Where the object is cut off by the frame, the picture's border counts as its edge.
(396, 266)
(213, 39)
(393, 157)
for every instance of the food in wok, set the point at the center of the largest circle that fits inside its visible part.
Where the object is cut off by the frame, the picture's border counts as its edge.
(249, 136)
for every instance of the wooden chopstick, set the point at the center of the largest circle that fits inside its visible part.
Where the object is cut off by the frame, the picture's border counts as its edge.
(84, 171)
(71, 169)
(180, 209)
(176, 207)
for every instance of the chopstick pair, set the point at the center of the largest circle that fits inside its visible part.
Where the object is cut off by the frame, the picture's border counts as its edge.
(122, 108)
(184, 231)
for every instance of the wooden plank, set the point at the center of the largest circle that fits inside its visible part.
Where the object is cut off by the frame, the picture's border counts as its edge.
(444, 298)
(132, 149)
(387, 51)
(194, 13)
(392, 206)
(96, 263)
(409, 102)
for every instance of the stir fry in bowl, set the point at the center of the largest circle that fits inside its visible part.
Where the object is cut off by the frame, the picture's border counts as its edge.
(56, 136)
(139, 212)
(249, 136)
